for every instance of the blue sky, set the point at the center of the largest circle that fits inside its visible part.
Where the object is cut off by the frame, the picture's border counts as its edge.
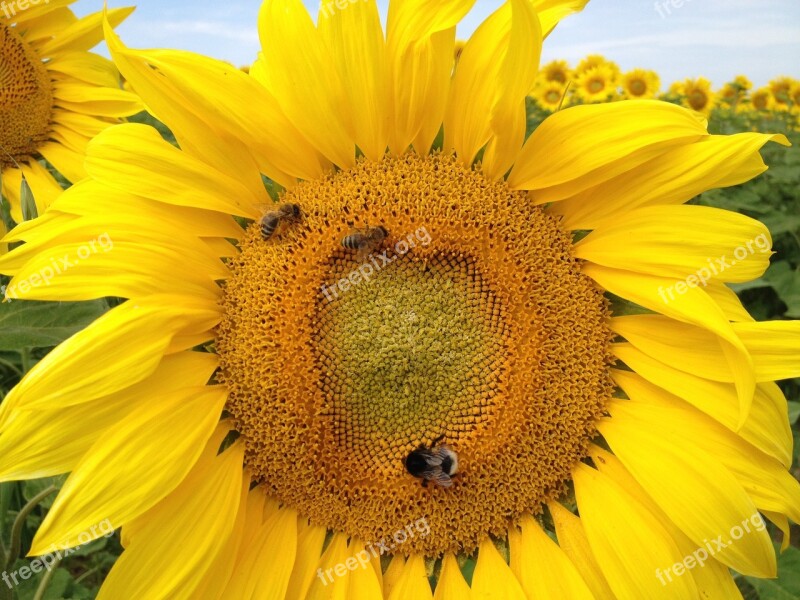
(714, 38)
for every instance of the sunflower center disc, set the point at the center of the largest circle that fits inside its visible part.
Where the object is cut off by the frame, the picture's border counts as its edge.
(471, 320)
(698, 100)
(638, 87)
(26, 99)
(596, 86)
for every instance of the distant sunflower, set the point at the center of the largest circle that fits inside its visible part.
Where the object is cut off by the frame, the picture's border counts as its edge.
(698, 95)
(597, 60)
(781, 88)
(596, 84)
(556, 70)
(762, 99)
(729, 94)
(794, 94)
(477, 317)
(55, 96)
(743, 83)
(640, 83)
(550, 95)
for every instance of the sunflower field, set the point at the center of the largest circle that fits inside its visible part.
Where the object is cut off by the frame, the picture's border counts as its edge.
(389, 315)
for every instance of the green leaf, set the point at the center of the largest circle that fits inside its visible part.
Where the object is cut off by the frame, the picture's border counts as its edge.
(34, 324)
(27, 202)
(794, 412)
(780, 223)
(32, 487)
(786, 282)
(787, 585)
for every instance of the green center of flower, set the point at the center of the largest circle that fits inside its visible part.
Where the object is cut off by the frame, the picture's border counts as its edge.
(26, 100)
(416, 347)
(470, 320)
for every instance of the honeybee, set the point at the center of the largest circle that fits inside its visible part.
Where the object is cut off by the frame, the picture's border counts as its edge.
(365, 241)
(433, 463)
(286, 212)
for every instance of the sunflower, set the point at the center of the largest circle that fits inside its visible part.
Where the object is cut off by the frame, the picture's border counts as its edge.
(550, 95)
(780, 89)
(556, 70)
(762, 99)
(54, 96)
(472, 315)
(640, 83)
(597, 60)
(697, 95)
(596, 84)
(729, 94)
(743, 83)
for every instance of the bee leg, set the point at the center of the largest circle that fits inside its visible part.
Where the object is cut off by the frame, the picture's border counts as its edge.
(424, 483)
(437, 440)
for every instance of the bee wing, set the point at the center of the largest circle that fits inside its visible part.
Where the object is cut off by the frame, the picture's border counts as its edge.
(443, 479)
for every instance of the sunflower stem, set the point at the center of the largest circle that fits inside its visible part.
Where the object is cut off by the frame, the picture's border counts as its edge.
(25, 354)
(46, 580)
(16, 529)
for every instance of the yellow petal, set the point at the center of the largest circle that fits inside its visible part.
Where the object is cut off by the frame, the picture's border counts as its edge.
(67, 161)
(86, 66)
(186, 91)
(583, 146)
(119, 155)
(675, 177)
(451, 584)
(765, 480)
(495, 71)
(364, 583)
(70, 259)
(728, 301)
(493, 578)
(182, 538)
(393, 574)
(328, 584)
(95, 101)
(309, 549)
(92, 198)
(509, 116)
(543, 569)
(355, 39)
(420, 41)
(47, 442)
(694, 307)
(304, 78)
(774, 346)
(84, 34)
(699, 493)
(212, 583)
(132, 466)
(119, 349)
(712, 578)
(552, 11)
(413, 582)
(766, 427)
(265, 563)
(630, 544)
(693, 244)
(573, 541)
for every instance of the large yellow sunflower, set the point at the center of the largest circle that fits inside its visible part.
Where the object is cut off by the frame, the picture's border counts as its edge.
(55, 95)
(475, 317)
